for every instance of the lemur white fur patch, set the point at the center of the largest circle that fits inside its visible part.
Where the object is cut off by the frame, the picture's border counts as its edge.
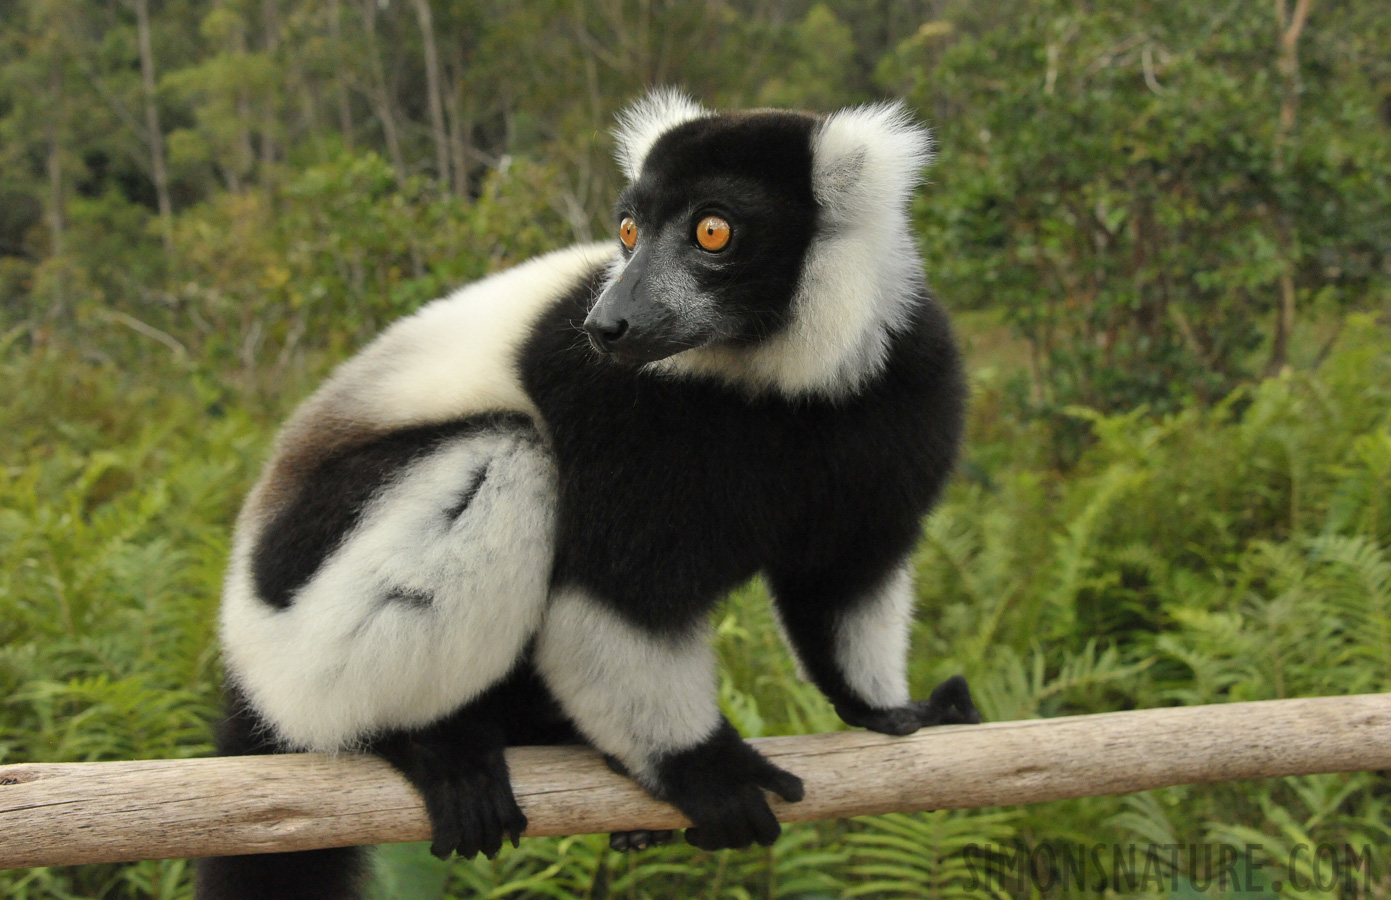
(347, 658)
(862, 272)
(642, 123)
(871, 642)
(456, 356)
(633, 694)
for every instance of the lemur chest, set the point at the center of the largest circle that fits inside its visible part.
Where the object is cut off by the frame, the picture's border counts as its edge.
(686, 485)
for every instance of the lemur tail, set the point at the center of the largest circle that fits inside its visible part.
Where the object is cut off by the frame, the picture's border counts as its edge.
(338, 873)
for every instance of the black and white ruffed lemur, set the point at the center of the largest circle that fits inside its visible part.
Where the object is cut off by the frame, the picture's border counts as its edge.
(507, 520)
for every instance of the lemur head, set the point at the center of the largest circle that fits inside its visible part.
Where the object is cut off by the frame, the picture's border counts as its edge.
(768, 248)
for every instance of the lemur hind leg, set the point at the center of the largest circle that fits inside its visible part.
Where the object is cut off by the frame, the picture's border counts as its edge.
(459, 770)
(398, 622)
(458, 767)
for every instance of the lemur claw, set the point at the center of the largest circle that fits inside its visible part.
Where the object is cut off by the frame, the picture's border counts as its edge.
(638, 839)
(623, 841)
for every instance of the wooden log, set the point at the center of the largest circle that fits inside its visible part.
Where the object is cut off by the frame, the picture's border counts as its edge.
(65, 813)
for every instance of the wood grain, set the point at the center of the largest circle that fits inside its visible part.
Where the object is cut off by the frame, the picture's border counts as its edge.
(65, 813)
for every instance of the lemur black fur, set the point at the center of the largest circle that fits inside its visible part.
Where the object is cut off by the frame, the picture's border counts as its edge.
(508, 520)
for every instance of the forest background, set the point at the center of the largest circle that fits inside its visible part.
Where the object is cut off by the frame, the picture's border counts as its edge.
(1162, 227)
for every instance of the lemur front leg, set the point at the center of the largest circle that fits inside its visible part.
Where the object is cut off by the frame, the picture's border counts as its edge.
(850, 636)
(647, 700)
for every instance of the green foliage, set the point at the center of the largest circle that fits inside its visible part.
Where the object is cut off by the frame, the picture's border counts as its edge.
(1162, 199)
(1120, 181)
(115, 506)
(1227, 553)
(339, 251)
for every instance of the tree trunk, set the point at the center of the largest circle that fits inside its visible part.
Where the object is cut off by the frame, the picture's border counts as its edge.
(1290, 29)
(1284, 327)
(460, 116)
(309, 100)
(57, 209)
(241, 162)
(380, 94)
(270, 22)
(345, 106)
(432, 84)
(156, 136)
(1291, 26)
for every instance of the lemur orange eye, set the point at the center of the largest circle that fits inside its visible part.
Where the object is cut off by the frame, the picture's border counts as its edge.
(712, 233)
(628, 232)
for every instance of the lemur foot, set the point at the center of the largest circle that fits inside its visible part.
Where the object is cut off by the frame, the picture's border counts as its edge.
(949, 704)
(719, 785)
(623, 841)
(641, 839)
(464, 781)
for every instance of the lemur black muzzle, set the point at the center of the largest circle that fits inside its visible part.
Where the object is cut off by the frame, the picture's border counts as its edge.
(627, 322)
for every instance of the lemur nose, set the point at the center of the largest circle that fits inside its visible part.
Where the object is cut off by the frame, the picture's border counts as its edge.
(603, 335)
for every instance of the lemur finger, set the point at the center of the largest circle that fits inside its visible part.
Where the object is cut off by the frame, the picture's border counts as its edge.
(733, 831)
(719, 838)
(467, 847)
(641, 839)
(475, 820)
(509, 817)
(514, 821)
(950, 703)
(897, 721)
(753, 819)
(902, 721)
(764, 824)
(630, 840)
(442, 805)
(950, 692)
(502, 816)
(491, 814)
(443, 845)
(781, 782)
(696, 838)
(490, 840)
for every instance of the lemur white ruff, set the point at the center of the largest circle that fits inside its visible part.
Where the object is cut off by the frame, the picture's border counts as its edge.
(507, 520)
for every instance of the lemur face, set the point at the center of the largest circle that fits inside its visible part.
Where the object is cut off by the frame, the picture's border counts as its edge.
(713, 235)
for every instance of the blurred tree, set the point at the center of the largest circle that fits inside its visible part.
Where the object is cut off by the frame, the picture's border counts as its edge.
(154, 133)
(432, 76)
(1128, 185)
(820, 68)
(41, 77)
(1155, 195)
(219, 89)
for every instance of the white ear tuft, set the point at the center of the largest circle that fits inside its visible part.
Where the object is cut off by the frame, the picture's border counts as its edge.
(644, 121)
(868, 159)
